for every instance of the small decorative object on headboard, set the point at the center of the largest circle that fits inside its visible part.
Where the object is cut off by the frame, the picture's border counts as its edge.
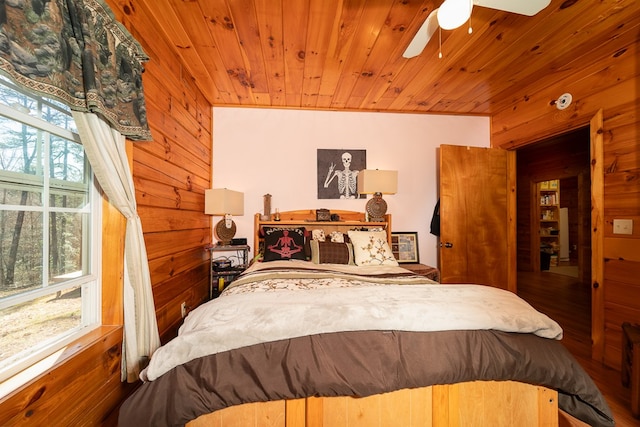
(323, 215)
(266, 216)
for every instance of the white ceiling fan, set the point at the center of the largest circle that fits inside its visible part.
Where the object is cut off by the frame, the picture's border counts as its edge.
(453, 13)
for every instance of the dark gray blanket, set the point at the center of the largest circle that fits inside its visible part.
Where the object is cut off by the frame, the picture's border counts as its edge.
(362, 363)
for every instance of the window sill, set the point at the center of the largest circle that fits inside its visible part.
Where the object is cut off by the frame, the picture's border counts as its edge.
(49, 363)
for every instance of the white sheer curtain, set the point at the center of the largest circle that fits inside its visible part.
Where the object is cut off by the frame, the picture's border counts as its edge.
(105, 148)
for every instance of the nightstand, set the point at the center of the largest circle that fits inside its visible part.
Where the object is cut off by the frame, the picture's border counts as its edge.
(425, 270)
(222, 276)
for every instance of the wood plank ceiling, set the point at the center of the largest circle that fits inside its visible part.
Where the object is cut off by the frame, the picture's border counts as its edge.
(347, 54)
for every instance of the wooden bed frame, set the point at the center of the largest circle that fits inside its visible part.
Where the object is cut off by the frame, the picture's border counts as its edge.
(307, 218)
(490, 403)
(478, 403)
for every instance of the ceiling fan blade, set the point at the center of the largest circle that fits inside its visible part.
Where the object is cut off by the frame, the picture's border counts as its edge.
(422, 37)
(522, 7)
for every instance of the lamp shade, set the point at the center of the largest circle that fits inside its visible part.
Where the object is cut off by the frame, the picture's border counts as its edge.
(371, 181)
(454, 13)
(222, 201)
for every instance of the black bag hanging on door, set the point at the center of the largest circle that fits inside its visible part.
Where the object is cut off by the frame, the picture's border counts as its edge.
(435, 220)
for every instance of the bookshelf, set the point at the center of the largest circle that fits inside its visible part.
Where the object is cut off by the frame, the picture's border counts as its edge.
(549, 222)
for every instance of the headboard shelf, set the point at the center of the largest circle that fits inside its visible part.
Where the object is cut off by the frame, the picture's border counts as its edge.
(307, 218)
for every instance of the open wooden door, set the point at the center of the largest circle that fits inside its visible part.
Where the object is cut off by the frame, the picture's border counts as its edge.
(477, 216)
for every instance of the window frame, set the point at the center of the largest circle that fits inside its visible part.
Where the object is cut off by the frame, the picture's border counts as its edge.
(90, 283)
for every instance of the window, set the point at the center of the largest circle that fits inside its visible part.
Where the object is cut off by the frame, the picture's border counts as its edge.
(49, 231)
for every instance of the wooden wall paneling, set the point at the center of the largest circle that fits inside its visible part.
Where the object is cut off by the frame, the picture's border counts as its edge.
(295, 17)
(171, 172)
(169, 315)
(158, 220)
(164, 268)
(80, 391)
(241, 57)
(170, 137)
(269, 25)
(621, 270)
(622, 248)
(157, 194)
(608, 81)
(140, 21)
(353, 65)
(173, 242)
(254, 58)
(342, 35)
(557, 35)
(168, 195)
(615, 315)
(191, 285)
(490, 29)
(147, 16)
(533, 113)
(172, 187)
(174, 153)
(393, 39)
(323, 25)
(556, 122)
(221, 24)
(525, 228)
(112, 256)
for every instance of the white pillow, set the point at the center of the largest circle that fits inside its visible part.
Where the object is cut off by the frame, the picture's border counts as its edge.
(371, 248)
(318, 234)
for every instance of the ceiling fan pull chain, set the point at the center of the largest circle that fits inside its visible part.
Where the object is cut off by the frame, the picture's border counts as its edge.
(440, 42)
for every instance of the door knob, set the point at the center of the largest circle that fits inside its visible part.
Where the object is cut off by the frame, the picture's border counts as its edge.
(446, 245)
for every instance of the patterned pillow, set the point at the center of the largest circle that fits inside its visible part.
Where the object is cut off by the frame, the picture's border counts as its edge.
(318, 234)
(337, 237)
(282, 243)
(331, 253)
(371, 248)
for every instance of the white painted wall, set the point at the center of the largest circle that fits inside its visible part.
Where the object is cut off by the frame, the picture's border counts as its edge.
(260, 151)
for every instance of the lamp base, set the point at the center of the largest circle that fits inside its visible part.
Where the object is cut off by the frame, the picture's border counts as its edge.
(224, 233)
(376, 208)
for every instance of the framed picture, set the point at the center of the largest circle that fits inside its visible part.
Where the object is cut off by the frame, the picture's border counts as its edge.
(405, 247)
(338, 173)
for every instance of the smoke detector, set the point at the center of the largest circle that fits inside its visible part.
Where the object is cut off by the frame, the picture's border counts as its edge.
(564, 101)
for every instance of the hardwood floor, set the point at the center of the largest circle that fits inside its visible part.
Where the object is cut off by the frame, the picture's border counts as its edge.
(568, 302)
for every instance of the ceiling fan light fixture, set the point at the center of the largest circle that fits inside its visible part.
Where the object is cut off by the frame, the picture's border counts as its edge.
(454, 13)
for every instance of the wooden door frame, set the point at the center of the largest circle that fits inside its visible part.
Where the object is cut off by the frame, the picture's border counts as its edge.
(596, 142)
(596, 126)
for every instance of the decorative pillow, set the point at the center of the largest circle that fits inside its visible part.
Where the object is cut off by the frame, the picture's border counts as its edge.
(337, 237)
(331, 253)
(371, 248)
(282, 243)
(318, 234)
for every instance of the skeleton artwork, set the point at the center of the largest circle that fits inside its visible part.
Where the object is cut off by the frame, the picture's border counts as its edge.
(347, 179)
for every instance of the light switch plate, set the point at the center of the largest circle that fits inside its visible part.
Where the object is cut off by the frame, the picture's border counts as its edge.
(622, 226)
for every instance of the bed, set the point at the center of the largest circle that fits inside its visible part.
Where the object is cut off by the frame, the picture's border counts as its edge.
(328, 330)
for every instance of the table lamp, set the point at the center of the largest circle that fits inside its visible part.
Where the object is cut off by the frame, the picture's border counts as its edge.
(377, 182)
(225, 202)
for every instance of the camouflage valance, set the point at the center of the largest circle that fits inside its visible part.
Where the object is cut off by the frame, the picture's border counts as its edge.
(76, 52)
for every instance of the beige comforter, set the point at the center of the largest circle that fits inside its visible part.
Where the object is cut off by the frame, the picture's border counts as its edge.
(280, 300)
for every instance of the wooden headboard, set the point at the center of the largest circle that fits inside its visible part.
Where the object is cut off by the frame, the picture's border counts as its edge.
(307, 218)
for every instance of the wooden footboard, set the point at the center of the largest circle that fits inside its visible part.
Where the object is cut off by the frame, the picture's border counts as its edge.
(478, 403)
